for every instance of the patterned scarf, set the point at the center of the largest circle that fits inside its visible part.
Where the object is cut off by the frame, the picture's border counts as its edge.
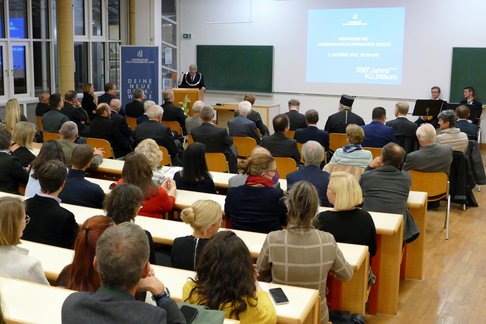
(352, 147)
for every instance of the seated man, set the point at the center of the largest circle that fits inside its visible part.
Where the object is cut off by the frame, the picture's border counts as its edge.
(254, 115)
(449, 134)
(313, 154)
(241, 125)
(53, 119)
(103, 127)
(43, 105)
(431, 157)
(403, 129)
(296, 119)
(464, 124)
(135, 108)
(72, 108)
(216, 139)
(160, 133)
(122, 261)
(69, 135)
(50, 223)
(173, 112)
(353, 153)
(11, 171)
(278, 144)
(120, 120)
(77, 190)
(194, 120)
(312, 132)
(474, 105)
(386, 188)
(110, 93)
(146, 106)
(377, 134)
(338, 122)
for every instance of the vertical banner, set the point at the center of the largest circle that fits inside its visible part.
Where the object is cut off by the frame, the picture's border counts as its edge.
(139, 68)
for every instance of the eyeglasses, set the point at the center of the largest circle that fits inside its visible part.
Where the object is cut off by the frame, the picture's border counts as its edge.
(27, 219)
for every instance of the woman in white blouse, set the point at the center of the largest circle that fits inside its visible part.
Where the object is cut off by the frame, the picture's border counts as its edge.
(15, 263)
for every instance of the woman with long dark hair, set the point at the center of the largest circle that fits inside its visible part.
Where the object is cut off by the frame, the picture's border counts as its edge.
(226, 280)
(194, 175)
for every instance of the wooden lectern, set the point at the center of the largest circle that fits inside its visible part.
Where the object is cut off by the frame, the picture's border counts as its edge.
(192, 95)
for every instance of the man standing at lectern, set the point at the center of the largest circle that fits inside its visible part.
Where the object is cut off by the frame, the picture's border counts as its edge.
(192, 79)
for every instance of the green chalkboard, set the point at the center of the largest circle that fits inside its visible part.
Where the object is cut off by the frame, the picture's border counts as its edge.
(468, 69)
(236, 68)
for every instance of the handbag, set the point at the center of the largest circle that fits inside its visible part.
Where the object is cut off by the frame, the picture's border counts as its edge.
(205, 314)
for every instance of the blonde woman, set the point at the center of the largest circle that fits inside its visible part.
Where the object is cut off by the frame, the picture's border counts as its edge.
(23, 134)
(205, 218)
(353, 153)
(89, 101)
(14, 260)
(151, 150)
(13, 114)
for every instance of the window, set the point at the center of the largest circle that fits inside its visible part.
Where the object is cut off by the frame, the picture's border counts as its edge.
(79, 16)
(40, 19)
(80, 65)
(96, 19)
(42, 72)
(169, 43)
(17, 23)
(2, 19)
(114, 19)
(98, 65)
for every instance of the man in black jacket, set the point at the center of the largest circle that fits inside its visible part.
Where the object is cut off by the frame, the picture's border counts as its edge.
(43, 105)
(336, 123)
(296, 119)
(404, 129)
(72, 108)
(120, 120)
(278, 144)
(474, 105)
(135, 108)
(173, 112)
(463, 112)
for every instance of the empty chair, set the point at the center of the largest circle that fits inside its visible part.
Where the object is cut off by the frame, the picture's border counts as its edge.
(244, 145)
(101, 144)
(166, 160)
(216, 162)
(285, 165)
(132, 122)
(337, 140)
(50, 136)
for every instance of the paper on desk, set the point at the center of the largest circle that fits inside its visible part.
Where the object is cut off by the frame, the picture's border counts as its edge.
(172, 170)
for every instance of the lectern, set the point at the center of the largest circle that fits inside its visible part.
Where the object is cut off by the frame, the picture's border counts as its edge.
(193, 95)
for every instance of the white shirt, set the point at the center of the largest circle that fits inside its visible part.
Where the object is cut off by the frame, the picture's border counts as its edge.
(17, 264)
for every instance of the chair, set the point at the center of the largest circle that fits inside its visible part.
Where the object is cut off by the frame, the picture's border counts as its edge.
(337, 140)
(132, 122)
(101, 144)
(355, 170)
(375, 151)
(166, 160)
(38, 120)
(244, 145)
(216, 162)
(174, 126)
(285, 165)
(190, 140)
(290, 133)
(436, 184)
(50, 136)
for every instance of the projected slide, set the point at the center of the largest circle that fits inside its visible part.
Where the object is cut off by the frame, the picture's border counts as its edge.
(362, 45)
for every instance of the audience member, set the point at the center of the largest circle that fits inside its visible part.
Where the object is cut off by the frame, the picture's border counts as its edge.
(278, 144)
(43, 106)
(449, 134)
(146, 105)
(73, 110)
(435, 93)
(15, 261)
(391, 195)
(205, 217)
(49, 222)
(241, 125)
(464, 124)
(135, 108)
(157, 200)
(122, 247)
(312, 132)
(122, 205)
(77, 190)
(254, 115)
(50, 150)
(296, 119)
(353, 153)
(13, 115)
(194, 175)
(194, 120)
(173, 112)
(110, 93)
(120, 120)
(22, 137)
(431, 157)
(69, 135)
(81, 274)
(226, 280)
(474, 105)
(377, 134)
(103, 127)
(53, 119)
(403, 129)
(257, 206)
(89, 101)
(337, 123)
(216, 139)
(151, 150)
(313, 154)
(302, 255)
(11, 171)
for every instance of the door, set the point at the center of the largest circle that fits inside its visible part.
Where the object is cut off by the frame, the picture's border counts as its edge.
(3, 72)
(15, 80)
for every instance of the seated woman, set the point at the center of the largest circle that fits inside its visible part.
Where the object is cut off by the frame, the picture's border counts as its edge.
(352, 154)
(151, 150)
(348, 223)
(79, 275)
(11, 172)
(205, 217)
(157, 199)
(449, 133)
(226, 280)
(302, 254)
(14, 260)
(194, 175)
(123, 204)
(51, 150)
(22, 137)
(13, 114)
(257, 206)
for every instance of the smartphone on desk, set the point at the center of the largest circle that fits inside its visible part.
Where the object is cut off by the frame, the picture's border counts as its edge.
(189, 313)
(278, 296)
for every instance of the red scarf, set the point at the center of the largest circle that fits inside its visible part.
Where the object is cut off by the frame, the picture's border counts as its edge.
(258, 181)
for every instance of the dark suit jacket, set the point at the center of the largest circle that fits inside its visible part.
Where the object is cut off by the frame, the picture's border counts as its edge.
(314, 175)
(476, 109)
(470, 129)
(377, 135)
(242, 126)
(105, 98)
(257, 119)
(77, 115)
(297, 120)
(103, 127)
(174, 113)
(49, 223)
(159, 133)
(280, 145)
(79, 191)
(41, 109)
(89, 105)
(115, 306)
(53, 120)
(336, 123)
(312, 133)
(122, 125)
(11, 173)
(134, 109)
(405, 133)
(432, 158)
